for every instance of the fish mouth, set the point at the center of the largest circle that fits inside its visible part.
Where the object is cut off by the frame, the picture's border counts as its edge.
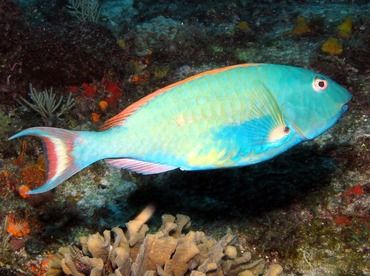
(335, 118)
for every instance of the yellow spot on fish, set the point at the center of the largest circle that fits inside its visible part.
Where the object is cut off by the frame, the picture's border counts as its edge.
(214, 157)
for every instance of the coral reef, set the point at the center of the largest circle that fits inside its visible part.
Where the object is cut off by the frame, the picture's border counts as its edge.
(167, 252)
(118, 15)
(151, 35)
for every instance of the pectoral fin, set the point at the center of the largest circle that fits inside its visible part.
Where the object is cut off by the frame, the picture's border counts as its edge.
(266, 124)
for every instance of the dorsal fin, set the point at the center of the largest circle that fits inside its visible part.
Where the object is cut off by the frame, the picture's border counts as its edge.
(122, 116)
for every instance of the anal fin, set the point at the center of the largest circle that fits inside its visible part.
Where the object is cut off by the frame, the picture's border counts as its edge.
(138, 166)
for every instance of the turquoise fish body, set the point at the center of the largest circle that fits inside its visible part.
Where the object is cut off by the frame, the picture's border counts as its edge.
(228, 117)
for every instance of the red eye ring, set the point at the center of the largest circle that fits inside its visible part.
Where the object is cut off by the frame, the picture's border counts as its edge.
(319, 84)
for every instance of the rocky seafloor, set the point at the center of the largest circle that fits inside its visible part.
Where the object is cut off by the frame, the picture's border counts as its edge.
(305, 212)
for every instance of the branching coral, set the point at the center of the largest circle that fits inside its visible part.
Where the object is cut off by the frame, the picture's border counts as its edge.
(167, 252)
(46, 104)
(85, 10)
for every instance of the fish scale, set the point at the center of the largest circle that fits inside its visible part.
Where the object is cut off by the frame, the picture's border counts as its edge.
(215, 95)
(163, 138)
(228, 117)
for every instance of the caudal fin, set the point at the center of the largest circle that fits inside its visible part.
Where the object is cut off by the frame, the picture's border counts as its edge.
(58, 145)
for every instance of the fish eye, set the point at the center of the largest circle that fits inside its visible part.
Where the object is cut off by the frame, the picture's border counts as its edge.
(319, 84)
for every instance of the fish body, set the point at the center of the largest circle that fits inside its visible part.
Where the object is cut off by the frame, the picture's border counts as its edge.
(228, 117)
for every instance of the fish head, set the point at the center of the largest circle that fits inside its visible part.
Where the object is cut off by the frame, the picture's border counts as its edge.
(313, 102)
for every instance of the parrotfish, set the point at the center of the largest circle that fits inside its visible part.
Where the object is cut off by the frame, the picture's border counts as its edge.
(228, 117)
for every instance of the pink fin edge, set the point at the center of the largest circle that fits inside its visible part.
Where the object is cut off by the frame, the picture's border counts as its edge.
(141, 167)
(58, 144)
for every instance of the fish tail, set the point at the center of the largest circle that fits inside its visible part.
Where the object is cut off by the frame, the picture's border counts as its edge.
(58, 146)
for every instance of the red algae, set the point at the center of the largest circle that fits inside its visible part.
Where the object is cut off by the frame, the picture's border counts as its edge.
(342, 220)
(355, 190)
(88, 90)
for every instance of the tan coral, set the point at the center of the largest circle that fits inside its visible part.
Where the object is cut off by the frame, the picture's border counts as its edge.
(55, 265)
(166, 218)
(121, 261)
(243, 268)
(213, 252)
(167, 252)
(149, 257)
(134, 226)
(136, 241)
(96, 265)
(83, 242)
(168, 227)
(197, 273)
(68, 265)
(120, 239)
(230, 252)
(99, 246)
(182, 222)
(274, 270)
(186, 257)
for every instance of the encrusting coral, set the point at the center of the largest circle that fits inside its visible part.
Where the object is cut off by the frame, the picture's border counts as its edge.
(167, 252)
